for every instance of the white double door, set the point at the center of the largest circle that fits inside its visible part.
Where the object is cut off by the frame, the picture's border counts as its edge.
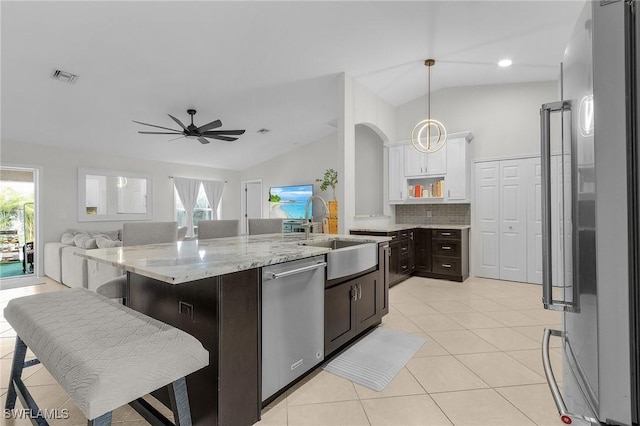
(508, 219)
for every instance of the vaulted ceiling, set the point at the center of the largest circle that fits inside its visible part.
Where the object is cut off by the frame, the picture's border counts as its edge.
(253, 65)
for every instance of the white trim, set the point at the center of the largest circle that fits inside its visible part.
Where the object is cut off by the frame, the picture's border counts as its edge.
(37, 196)
(82, 195)
(243, 203)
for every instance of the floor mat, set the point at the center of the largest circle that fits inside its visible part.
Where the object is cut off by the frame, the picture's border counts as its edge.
(375, 360)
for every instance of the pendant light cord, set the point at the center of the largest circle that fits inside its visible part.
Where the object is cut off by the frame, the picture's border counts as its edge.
(425, 127)
(429, 105)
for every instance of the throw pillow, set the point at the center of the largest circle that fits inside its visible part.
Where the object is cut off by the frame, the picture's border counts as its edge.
(67, 238)
(112, 235)
(105, 242)
(85, 241)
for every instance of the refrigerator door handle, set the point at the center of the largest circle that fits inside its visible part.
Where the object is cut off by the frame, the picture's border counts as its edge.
(547, 250)
(565, 416)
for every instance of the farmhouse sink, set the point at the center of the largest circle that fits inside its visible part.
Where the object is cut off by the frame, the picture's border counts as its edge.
(347, 257)
(335, 244)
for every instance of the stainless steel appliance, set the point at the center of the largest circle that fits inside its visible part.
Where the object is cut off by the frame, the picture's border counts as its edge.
(596, 219)
(292, 321)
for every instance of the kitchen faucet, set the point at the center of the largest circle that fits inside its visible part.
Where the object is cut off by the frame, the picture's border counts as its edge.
(307, 225)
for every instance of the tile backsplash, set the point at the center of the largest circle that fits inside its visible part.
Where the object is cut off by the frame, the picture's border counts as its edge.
(441, 214)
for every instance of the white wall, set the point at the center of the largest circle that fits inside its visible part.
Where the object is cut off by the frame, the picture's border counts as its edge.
(58, 190)
(301, 166)
(504, 119)
(360, 106)
(336, 151)
(369, 180)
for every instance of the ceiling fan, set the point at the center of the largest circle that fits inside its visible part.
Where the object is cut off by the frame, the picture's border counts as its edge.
(192, 132)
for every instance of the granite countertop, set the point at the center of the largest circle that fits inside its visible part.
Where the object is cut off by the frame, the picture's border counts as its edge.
(186, 261)
(402, 227)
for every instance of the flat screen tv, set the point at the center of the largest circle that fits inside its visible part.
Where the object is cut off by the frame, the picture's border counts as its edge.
(288, 202)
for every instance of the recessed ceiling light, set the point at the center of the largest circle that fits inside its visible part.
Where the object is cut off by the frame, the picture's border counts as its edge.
(505, 63)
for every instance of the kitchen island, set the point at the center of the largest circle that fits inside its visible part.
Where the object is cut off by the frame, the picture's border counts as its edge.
(212, 290)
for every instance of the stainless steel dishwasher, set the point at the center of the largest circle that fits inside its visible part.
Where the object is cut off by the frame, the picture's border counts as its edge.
(292, 321)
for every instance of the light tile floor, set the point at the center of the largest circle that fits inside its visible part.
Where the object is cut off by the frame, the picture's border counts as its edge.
(481, 364)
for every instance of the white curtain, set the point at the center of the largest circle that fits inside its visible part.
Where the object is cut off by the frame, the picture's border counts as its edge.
(213, 190)
(188, 192)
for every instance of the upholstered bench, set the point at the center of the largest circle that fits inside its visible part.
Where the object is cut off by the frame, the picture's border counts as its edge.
(103, 354)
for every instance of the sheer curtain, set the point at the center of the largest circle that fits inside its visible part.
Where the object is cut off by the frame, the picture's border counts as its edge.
(188, 192)
(213, 190)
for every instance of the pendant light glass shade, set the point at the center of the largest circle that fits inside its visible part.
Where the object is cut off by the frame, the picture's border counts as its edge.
(429, 135)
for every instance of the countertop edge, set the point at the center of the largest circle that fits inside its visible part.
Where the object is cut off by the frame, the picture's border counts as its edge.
(175, 272)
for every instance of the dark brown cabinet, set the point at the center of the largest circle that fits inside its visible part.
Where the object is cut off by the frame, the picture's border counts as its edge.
(427, 252)
(351, 307)
(422, 242)
(401, 253)
(450, 254)
(403, 256)
(223, 313)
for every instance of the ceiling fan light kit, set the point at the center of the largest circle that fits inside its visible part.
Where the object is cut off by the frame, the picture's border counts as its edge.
(421, 135)
(202, 133)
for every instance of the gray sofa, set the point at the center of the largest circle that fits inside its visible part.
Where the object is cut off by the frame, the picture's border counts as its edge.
(62, 264)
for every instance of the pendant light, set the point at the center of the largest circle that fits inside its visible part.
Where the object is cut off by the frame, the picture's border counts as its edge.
(421, 137)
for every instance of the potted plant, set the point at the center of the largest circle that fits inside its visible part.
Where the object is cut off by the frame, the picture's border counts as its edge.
(330, 180)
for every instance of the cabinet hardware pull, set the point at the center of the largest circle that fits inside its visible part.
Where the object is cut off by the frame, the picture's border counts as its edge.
(274, 276)
(445, 234)
(446, 247)
(446, 265)
(404, 267)
(359, 291)
(354, 293)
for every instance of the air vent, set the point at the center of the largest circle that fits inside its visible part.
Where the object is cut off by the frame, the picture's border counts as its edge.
(64, 76)
(263, 131)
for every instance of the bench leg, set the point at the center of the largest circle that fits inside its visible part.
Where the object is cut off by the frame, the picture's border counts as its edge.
(180, 402)
(103, 420)
(16, 372)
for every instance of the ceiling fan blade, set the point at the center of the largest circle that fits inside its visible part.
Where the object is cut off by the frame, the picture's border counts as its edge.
(153, 125)
(203, 140)
(179, 122)
(175, 139)
(222, 138)
(209, 126)
(161, 133)
(223, 132)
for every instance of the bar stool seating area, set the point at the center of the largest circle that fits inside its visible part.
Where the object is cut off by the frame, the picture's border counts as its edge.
(103, 354)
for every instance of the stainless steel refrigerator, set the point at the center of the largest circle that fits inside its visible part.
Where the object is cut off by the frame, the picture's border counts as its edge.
(591, 226)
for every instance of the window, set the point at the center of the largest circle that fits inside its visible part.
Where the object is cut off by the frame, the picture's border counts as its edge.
(202, 211)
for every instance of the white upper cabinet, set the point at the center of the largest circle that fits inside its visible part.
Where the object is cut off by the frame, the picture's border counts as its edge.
(458, 177)
(449, 167)
(417, 163)
(397, 182)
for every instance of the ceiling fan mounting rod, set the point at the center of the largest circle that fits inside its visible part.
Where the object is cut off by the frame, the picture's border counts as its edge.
(191, 112)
